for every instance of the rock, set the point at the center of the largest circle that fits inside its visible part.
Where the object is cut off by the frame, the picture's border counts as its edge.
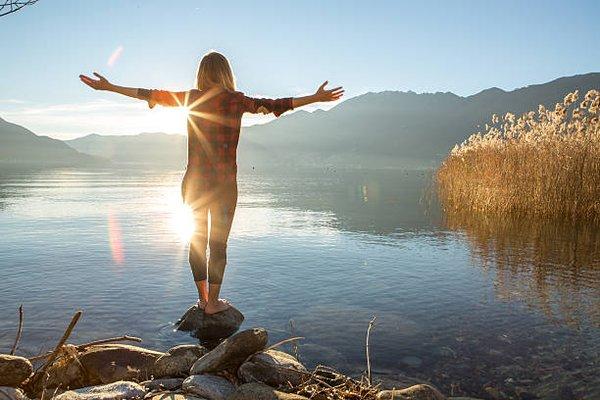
(210, 387)
(260, 391)
(174, 396)
(231, 352)
(162, 384)
(112, 391)
(14, 370)
(178, 361)
(116, 362)
(210, 327)
(273, 367)
(11, 393)
(395, 381)
(416, 392)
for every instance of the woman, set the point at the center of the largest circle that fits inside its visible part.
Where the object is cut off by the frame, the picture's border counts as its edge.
(210, 184)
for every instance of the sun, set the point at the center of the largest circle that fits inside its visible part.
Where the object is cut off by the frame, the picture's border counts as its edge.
(169, 119)
(182, 221)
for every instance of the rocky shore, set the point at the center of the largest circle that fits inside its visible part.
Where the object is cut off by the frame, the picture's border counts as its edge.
(242, 366)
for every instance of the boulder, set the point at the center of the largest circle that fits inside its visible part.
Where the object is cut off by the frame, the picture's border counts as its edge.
(416, 392)
(116, 362)
(14, 370)
(11, 393)
(174, 396)
(273, 367)
(231, 352)
(260, 391)
(210, 387)
(178, 361)
(162, 384)
(113, 391)
(210, 327)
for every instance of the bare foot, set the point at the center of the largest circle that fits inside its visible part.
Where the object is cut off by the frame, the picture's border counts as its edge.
(216, 307)
(201, 303)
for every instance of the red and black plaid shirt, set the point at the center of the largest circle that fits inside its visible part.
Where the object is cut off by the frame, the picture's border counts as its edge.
(214, 122)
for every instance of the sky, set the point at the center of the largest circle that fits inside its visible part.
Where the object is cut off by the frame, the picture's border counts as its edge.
(277, 48)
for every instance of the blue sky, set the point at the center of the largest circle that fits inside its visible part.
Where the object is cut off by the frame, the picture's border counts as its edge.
(277, 48)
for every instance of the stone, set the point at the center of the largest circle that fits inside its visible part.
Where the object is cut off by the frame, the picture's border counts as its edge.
(116, 362)
(231, 352)
(178, 361)
(113, 391)
(260, 391)
(210, 327)
(273, 367)
(174, 396)
(162, 384)
(416, 392)
(11, 393)
(210, 387)
(14, 370)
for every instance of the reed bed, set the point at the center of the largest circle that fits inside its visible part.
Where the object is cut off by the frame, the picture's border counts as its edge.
(544, 163)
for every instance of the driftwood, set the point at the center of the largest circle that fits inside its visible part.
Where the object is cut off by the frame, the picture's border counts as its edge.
(84, 346)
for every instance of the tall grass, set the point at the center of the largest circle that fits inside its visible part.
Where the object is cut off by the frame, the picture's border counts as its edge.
(541, 163)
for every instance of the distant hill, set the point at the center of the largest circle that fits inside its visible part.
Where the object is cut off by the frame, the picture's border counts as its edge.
(144, 148)
(21, 147)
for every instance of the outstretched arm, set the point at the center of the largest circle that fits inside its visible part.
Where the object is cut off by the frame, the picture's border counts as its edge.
(153, 97)
(320, 95)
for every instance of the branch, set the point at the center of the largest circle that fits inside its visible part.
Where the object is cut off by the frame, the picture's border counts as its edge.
(19, 331)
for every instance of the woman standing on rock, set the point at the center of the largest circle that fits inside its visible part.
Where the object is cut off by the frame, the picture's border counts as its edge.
(210, 184)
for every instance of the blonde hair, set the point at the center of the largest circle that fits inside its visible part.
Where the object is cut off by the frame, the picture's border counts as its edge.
(214, 70)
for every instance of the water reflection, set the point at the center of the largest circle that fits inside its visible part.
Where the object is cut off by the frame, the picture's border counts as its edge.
(550, 265)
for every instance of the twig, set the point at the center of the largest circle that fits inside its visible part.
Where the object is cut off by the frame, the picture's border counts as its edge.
(284, 342)
(371, 323)
(61, 342)
(19, 331)
(94, 343)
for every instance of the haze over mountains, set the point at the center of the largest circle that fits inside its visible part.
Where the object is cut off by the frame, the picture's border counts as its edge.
(387, 129)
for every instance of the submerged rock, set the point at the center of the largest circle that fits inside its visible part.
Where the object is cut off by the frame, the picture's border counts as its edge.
(416, 392)
(117, 362)
(11, 393)
(178, 361)
(273, 367)
(14, 370)
(231, 352)
(210, 327)
(113, 391)
(162, 384)
(174, 396)
(260, 391)
(210, 387)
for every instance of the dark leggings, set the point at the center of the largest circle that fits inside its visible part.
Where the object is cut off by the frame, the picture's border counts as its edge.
(220, 201)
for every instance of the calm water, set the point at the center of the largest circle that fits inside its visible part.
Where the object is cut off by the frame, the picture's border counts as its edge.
(465, 303)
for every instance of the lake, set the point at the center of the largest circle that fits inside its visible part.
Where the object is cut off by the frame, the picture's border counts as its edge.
(477, 306)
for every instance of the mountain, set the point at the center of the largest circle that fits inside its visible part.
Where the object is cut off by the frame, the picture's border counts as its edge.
(387, 128)
(20, 146)
(144, 148)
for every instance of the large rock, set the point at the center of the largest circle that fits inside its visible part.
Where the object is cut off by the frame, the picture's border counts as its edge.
(156, 385)
(210, 327)
(231, 352)
(113, 391)
(116, 362)
(210, 387)
(14, 370)
(11, 393)
(273, 367)
(178, 361)
(416, 392)
(260, 391)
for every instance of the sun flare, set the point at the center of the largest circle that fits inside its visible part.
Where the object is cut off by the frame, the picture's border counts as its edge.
(182, 221)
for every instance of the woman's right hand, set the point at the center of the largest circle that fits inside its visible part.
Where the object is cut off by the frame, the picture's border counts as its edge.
(97, 84)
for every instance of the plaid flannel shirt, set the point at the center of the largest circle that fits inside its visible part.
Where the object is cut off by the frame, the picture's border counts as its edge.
(214, 123)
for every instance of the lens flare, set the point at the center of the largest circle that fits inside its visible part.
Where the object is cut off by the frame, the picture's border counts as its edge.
(114, 238)
(114, 56)
(182, 222)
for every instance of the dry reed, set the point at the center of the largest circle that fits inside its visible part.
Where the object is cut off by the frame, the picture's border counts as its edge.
(544, 163)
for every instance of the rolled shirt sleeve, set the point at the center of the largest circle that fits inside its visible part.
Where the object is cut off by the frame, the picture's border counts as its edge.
(275, 106)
